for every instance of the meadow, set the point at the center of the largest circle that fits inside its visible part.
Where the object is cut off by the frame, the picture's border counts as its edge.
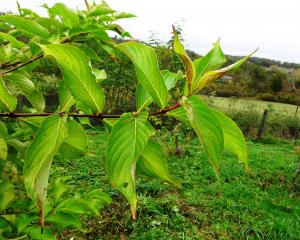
(259, 206)
(257, 105)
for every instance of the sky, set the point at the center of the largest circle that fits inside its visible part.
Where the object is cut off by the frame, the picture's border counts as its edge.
(242, 25)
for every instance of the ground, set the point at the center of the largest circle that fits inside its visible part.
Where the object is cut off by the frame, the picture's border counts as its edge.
(258, 206)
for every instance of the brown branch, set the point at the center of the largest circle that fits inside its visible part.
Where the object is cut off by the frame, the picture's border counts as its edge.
(98, 116)
(23, 64)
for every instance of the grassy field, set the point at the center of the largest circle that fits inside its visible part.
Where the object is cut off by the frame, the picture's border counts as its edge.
(254, 207)
(242, 104)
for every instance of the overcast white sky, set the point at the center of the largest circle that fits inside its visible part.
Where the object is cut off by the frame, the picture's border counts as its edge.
(243, 25)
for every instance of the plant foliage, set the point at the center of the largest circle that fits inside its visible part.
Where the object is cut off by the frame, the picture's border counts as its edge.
(29, 144)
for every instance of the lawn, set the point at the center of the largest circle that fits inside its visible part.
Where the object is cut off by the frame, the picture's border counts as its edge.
(254, 207)
(241, 104)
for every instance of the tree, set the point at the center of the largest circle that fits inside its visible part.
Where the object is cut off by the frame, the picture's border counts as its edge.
(30, 143)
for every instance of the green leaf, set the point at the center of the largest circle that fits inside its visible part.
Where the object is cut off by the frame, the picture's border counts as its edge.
(6, 194)
(75, 145)
(66, 99)
(39, 156)
(77, 73)
(3, 130)
(23, 221)
(27, 26)
(3, 149)
(99, 74)
(234, 140)
(60, 187)
(143, 98)
(122, 15)
(153, 162)
(210, 76)
(65, 220)
(67, 15)
(188, 64)
(180, 114)
(147, 71)
(16, 144)
(8, 102)
(9, 38)
(100, 9)
(128, 138)
(28, 89)
(211, 61)
(208, 130)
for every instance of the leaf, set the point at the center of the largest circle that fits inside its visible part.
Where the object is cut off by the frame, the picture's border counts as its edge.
(214, 75)
(180, 114)
(23, 221)
(6, 194)
(122, 15)
(153, 162)
(68, 16)
(234, 140)
(8, 102)
(147, 71)
(65, 220)
(77, 73)
(128, 138)
(9, 38)
(28, 89)
(99, 74)
(143, 98)
(100, 9)
(75, 145)
(211, 61)
(35, 233)
(66, 99)
(3, 149)
(39, 156)
(16, 144)
(208, 130)
(27, 26)
(188, 64)
(60, 187)
(3, 130)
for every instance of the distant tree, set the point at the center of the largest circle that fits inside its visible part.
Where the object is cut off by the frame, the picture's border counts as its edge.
(277, 77)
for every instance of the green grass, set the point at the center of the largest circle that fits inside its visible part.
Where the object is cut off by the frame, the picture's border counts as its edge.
(254, 207)
(242, 104)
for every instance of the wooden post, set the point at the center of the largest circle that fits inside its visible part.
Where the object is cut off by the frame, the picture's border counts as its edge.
(262, 125)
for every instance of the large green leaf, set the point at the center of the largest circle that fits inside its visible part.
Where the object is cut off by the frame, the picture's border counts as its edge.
(6, 194)
(153, 162)
(211, 61)
(75, 145)
(66, 99)
(39, 156)
(67, 15)
(146, 66)
(128, 138)
(77, 73)
(3, 149)
(234, 140)
(27, 26)
(8, 102)
(208, 130)
(180, 114)
(188, 64)
(143, 98)
(210, 76)
(28, 89)
(13, 41)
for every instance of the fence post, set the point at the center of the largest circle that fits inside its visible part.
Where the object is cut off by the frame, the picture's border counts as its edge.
(262, 124)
